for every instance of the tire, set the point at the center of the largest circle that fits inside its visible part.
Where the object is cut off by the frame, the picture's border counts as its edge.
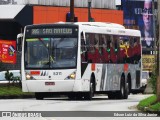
(124, 90)
(39, 96)
(130, 86)
(90, 94)
(120, 94)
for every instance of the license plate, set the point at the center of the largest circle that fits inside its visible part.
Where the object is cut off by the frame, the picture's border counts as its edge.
(49, 83)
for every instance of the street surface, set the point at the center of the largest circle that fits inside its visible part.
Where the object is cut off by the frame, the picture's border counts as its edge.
(99, 103)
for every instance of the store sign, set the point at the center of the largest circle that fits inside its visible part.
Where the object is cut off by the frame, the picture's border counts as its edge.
(7, 51)
(148, 62)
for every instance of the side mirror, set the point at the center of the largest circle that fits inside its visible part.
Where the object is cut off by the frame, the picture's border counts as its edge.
(19, 42)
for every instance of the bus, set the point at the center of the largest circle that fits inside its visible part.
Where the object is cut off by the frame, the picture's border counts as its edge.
(80, 60)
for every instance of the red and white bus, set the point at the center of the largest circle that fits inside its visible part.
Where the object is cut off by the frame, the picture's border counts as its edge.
(80, 59)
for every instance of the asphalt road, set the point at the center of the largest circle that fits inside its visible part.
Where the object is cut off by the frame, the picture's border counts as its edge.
(99, 103)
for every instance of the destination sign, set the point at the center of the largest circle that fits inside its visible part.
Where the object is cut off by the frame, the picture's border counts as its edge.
(52, 31)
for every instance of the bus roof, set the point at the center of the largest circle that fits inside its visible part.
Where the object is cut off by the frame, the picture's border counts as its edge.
(101, 24)
(96, 24)
(98, 27)
(105, 27)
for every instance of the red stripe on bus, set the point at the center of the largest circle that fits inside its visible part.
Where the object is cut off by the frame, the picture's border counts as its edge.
(35, 72)
(93, 67)
(125, 67)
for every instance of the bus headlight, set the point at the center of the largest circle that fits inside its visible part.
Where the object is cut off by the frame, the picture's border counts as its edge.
(29, 77)
(71, 76)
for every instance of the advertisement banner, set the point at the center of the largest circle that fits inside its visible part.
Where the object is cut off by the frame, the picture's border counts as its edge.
(148, 62)
(7, 51)
(138, 14)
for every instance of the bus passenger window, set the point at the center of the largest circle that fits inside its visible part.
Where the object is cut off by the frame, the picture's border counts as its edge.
(97, 57)
(113, 56)
(136, 51)
(90, 47)
(83, 50)
(129, 51)
(93, 53)
(105, 53)
(121, 52)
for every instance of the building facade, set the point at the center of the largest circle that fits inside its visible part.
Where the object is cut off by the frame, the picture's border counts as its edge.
(19, 13)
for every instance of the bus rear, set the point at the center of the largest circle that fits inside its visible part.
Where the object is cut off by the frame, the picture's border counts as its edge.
(49, 59)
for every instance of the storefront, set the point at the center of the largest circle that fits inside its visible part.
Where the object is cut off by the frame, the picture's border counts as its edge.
(13, 19)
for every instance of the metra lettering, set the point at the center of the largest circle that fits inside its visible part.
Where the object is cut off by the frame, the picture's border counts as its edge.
(57, 73)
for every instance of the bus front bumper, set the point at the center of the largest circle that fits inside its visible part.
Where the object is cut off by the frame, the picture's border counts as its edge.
(52, 86)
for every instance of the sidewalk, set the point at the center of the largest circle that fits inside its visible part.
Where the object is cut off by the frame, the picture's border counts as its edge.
(148, 89)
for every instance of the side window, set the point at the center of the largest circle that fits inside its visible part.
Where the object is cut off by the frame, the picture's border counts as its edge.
(130, 51)
(105, 48)
(113, 49)
(122, 52)
(90, 46)
(83, 49)
(101, 39)
(136, 50)
(126, 49)
(97, 53)
(93, 48)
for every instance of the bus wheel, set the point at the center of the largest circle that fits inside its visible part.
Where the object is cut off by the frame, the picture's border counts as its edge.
(90, 94)
(120, 94)
(39, 96)
(124, 90)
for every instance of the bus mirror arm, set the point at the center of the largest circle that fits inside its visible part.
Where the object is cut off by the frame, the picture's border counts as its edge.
(19, 42)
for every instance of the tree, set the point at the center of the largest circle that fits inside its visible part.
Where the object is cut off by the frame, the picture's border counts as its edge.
(158, 57)
(9, 76)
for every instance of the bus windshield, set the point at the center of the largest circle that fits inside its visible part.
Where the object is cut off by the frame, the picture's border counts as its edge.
(50, 53)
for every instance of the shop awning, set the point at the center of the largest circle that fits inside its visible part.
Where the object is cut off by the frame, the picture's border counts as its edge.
(8, 12)
(13, 18)
(21, 14)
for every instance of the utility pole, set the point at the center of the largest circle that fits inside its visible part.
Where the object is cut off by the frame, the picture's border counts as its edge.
(72, 10)
(158, 78)
(89, 10)
(154, 30)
